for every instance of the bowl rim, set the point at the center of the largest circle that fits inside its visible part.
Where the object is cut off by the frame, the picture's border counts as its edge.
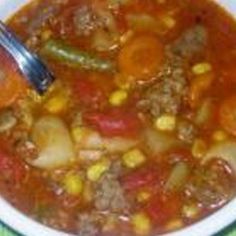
(29, 227)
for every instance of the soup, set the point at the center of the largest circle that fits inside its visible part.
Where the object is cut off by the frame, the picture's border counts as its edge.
(137, 134)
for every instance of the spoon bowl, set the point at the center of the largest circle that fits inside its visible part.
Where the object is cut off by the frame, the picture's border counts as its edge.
(30, 65)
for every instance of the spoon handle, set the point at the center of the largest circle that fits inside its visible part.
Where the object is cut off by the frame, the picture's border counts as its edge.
(33, 69)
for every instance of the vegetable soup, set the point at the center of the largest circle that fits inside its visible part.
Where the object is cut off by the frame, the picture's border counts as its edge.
(137, 135)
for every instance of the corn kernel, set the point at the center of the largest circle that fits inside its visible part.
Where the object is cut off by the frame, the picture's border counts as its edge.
(168, 21)
(118, 97)
(46, 34)
(219, 136)
(95, 171)
(56, 104)
(143, 196)
(166, 122)
(201, 68)
(199, 148)
(73, 184)
(133, 158)
(123, 81)
(190, 211)
(174, 224)
(78, 133)
(141, 224)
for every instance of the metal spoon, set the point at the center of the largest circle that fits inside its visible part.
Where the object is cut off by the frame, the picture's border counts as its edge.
(32, 68)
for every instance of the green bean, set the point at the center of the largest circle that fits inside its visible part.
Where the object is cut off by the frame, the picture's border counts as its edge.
(73, 57)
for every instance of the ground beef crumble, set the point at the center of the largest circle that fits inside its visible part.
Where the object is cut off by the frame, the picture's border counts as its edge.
(191, 42)
(109, 194)
(85, 21)
(167, 93)
(88, 225)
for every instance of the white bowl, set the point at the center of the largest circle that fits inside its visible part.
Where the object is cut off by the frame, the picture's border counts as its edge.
(28, 227)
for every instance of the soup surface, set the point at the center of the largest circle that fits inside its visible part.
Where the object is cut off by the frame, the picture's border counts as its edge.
(137, 136)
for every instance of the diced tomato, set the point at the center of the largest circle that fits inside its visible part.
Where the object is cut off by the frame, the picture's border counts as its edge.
(114, 122)
(89, 95)
(162, 208)
(11, 167)
(139, 178)
(180, 155)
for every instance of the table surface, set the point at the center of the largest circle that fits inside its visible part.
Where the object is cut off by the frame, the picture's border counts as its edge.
(6, 231)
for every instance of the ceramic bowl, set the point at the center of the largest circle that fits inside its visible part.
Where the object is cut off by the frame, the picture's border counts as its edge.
(28, 227)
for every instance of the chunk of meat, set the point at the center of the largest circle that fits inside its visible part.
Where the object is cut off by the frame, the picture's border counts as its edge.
(85, 21)
(212, 185)
(42, 14)
(186, 131)
(42, 17)
(59, 218)
(7, 120)
(89, 18)
(191, 42)
(23, 146)
(88, 225)
(166, 94)
(26, 149)
(109, 195)
(96, 224)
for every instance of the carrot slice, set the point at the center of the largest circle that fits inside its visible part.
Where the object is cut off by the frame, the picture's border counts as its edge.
(12, 85)
(141, 57)
(227, 115)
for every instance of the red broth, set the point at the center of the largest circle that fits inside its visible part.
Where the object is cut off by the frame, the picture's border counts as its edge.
(137, 134)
